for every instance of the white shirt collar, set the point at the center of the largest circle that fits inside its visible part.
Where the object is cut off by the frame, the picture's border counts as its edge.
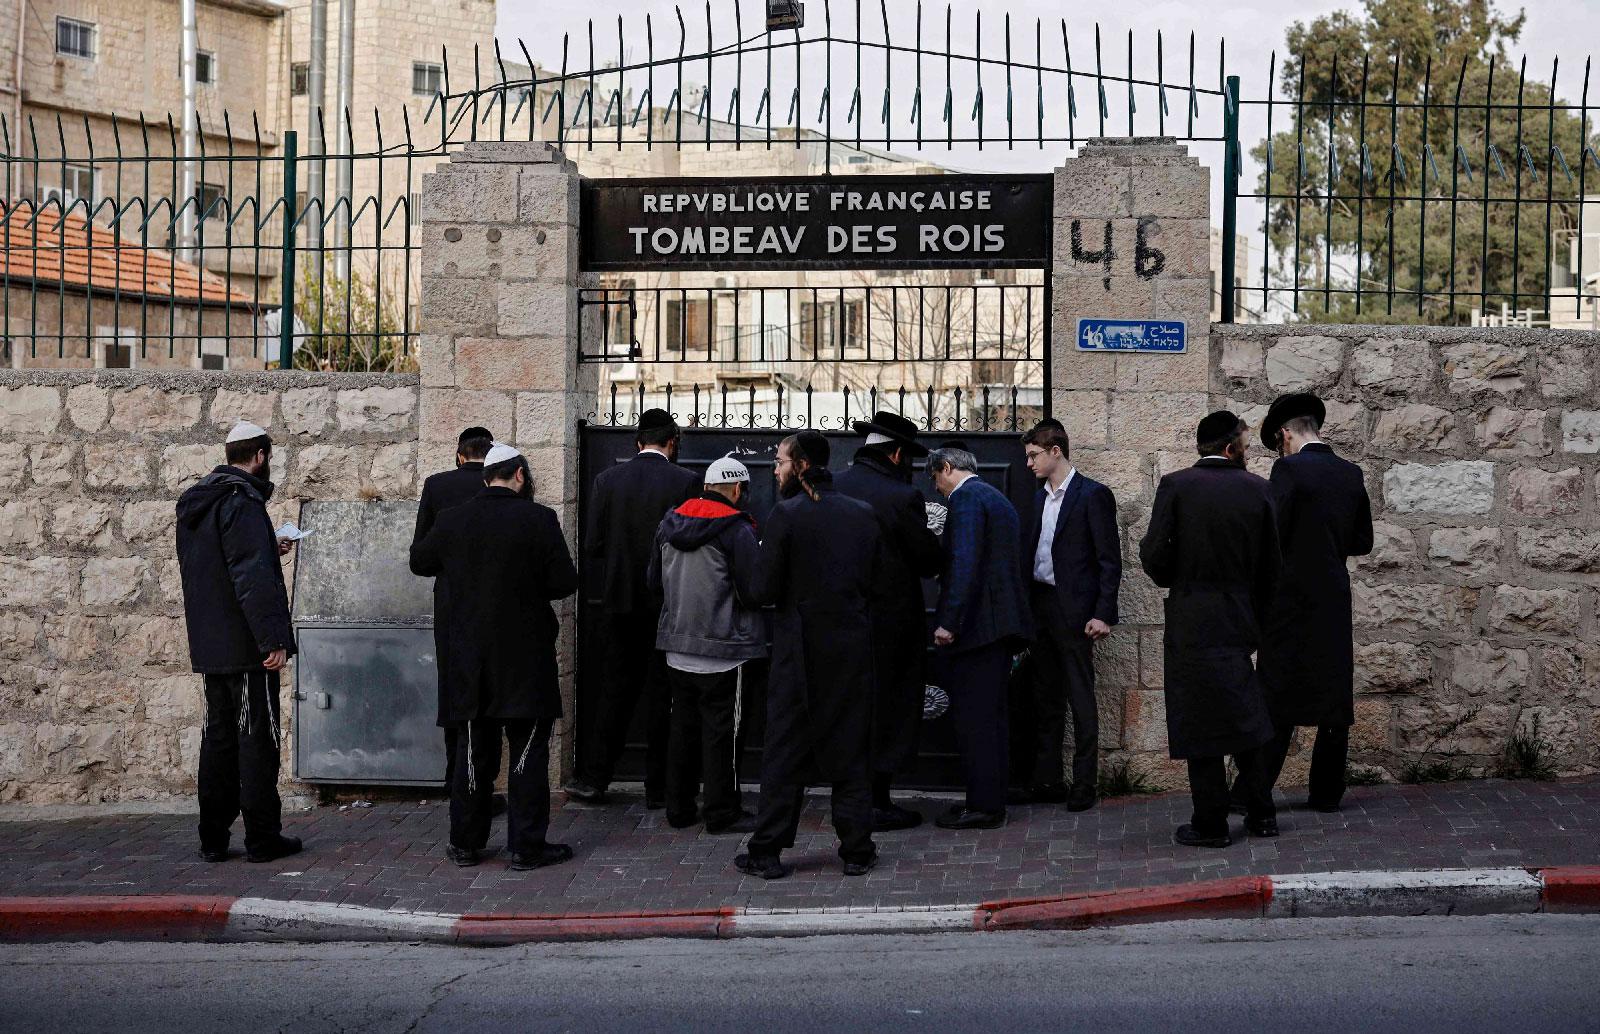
(1056, 493)
(962, 483)
(651, 450)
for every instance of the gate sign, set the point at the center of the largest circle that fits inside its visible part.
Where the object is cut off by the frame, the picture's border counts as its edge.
(838, 222)
(1097, 335)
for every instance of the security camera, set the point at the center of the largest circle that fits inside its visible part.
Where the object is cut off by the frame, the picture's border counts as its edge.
(785, 14)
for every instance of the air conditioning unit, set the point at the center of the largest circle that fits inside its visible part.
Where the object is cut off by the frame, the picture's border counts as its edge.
(724, 283)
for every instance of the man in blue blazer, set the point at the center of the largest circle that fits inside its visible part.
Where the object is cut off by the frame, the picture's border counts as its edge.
(1072, 558)
(982, 621)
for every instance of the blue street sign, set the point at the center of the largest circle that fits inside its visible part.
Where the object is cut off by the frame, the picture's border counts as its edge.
(1097, 335)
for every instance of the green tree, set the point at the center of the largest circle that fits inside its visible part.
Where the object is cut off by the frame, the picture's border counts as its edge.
(1418, 112)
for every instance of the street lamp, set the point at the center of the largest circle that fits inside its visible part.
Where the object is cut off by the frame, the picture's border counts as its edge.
(785, 14)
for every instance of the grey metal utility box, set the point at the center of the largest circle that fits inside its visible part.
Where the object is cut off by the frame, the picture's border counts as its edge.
(365, 698)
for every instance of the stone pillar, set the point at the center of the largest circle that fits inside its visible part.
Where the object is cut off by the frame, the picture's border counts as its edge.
(500, 330)
(1132, 241)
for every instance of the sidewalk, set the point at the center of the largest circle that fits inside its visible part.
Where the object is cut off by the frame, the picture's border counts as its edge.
(628, 860)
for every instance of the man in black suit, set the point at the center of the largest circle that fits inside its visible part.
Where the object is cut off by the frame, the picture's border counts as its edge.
(440, 492)
(503, 678)
(1307, 658)
(820, 565)
(1213, 542)
(982, 620)
(627, 505)
(880, 476)
(1072, 558)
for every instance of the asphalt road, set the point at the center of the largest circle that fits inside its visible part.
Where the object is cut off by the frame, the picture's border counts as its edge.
(1533, 973)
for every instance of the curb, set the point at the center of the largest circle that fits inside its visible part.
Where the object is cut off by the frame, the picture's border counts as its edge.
(1565, 889)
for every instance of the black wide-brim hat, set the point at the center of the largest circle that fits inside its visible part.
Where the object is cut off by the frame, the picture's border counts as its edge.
(895, 426)
(1290, 407)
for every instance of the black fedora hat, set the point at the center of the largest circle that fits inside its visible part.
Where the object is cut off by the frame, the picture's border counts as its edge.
(1290, 407)
(894, 427)
(655, 419)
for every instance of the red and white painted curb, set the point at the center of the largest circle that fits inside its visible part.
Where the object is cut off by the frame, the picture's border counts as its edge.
(1423, 892)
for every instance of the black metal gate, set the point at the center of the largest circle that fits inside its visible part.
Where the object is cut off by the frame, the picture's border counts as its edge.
(1000, 462)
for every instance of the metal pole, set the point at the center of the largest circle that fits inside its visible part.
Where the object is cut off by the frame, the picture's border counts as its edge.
(316, 95)
(291, 145)
(347, 45)
(186, 195)
(1230, 194)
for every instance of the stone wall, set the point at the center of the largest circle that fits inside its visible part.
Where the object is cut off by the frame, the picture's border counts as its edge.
(1481, 447)
(97, 703)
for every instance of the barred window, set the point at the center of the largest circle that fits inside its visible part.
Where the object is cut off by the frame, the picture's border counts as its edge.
(427, 79)
(299, 79)
(205, 67)
(75, 38)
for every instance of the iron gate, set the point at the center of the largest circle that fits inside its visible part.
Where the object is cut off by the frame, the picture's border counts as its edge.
(1000, 462)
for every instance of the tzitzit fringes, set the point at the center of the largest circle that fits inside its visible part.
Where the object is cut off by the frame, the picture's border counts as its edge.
(472, 771)
(522, 759)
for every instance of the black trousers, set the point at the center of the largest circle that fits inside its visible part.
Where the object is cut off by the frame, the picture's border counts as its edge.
(527, 784)
(1208, 788)
(1063, 678)
(452, 739)
(633, 668)
(779, 818)
(704, 710)
(976, 682)
(1329, 754)
(239, 760)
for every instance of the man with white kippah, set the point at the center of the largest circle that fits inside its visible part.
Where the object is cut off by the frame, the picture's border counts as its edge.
(703, 565)
(237, 612)
(506, 560)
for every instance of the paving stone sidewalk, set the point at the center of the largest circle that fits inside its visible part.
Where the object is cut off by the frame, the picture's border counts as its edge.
(628, 859)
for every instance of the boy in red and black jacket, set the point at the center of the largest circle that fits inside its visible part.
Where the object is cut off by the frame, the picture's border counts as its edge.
(703, 565)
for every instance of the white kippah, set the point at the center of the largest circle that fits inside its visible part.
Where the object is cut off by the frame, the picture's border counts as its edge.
(244, 430)
(499, 453)
(727, 471)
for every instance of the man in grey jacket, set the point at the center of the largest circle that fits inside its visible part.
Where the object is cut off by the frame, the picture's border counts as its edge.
(703, 565)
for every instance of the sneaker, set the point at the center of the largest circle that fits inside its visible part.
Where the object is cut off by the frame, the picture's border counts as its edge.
(745, 823)
(765, 866)
(462, 856)
(548, 854)
(1188, 836)
(861, 868)
(283, 848)
(588, 793)
(886, 818)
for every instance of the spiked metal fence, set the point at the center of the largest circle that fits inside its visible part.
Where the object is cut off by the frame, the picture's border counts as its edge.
(1371, 199)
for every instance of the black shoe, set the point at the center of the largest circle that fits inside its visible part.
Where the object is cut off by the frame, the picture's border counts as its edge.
(652, 803)
(221, 854)
(1188, 836)
(683, 821)
(1237, 806)
(284, 847)
(549, 854)
(964, 818)
(1326, 809)
(764, 866)
(1261, 827)
(745, 823)
(1019, 795)
(886, 818)
(862, 867)
(497, 805)
(1081, 800)
(462, 856)
(588, 793)
(1048, 793)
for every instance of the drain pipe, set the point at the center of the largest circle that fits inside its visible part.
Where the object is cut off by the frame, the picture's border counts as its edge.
(342, 228)
(316, 146)
(186, 222)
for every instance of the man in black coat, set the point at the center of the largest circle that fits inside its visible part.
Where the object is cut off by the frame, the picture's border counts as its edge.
(439, 493)
(626, 508)
(1213, 542)
(880, 476)
(240, 637)
(1307, 658)
(503, 674)
(982, 620)
(1072, 558)
(819, 566)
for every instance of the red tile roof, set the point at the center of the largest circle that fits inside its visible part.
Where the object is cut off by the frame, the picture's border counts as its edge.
(43, 246)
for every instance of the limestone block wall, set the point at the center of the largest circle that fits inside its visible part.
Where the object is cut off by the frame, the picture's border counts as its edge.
(97, 703)
(1482, 454)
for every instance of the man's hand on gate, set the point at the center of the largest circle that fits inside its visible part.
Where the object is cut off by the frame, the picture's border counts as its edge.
(1096, 630)
(276, 660)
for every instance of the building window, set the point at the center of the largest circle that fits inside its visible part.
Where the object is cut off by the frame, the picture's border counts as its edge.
(213, 354)
(75, 38)
(426, 79)
(114, 348)
(211, 201)
(205, 67)
(687, 325)
(299, 79)
(77, 184)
